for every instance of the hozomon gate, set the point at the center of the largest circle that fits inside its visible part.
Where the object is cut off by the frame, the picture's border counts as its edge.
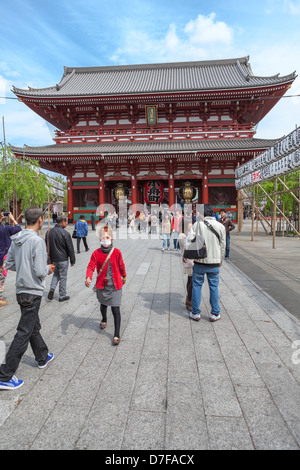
(169, 125)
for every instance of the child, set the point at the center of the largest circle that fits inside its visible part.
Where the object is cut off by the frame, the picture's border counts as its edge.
(111, 276)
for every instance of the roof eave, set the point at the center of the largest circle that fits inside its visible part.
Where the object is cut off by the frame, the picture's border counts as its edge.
(23, 94)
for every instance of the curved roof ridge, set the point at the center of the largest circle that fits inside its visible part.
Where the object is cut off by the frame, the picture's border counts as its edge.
(277, 75)
(240, 69)
(171, 77)
(150, 66)
(64, 79)
(20, 90)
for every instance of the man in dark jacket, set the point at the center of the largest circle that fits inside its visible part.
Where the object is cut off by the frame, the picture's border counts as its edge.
(228, 224)
(60, 249)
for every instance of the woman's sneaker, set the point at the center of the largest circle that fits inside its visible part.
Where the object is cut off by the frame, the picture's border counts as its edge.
(11, 384)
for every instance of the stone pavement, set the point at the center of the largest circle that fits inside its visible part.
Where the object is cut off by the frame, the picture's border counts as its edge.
(277, 270)
(172, 383)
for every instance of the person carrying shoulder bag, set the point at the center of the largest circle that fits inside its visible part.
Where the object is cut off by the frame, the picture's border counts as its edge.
(215, 240)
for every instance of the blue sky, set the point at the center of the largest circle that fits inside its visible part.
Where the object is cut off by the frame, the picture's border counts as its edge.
(39, 37)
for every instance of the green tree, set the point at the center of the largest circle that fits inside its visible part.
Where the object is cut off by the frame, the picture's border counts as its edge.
(22, 178)
(286, 200)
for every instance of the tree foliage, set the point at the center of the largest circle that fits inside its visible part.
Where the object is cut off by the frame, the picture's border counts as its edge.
(285, 200)
(23, 178)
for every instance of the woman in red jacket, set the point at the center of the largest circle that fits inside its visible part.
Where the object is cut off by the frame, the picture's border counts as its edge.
(111, 277)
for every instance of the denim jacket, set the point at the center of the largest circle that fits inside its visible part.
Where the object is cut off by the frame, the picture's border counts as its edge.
(82, 228)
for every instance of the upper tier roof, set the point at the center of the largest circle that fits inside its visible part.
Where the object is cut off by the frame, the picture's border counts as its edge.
(156, 78)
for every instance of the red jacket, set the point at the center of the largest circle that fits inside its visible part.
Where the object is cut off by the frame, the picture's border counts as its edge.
(117, 268)
(177, 223)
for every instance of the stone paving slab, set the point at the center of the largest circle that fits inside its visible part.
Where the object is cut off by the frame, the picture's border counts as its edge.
(172, 383)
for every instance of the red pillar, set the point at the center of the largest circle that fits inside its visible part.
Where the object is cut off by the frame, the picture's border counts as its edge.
(70, 199)
(133, 190)
(101, 196)
(205, 185)
(171, 190)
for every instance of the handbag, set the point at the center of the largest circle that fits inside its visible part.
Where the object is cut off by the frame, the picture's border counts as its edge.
(103, 266)
(74, 234)
(197, 247)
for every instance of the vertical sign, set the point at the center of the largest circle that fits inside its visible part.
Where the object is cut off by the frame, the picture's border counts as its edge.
(151, 115)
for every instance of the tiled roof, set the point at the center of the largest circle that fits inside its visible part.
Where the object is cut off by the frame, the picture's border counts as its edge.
(138, 148)
(155, 78)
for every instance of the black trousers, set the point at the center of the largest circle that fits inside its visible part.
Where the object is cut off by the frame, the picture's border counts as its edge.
(117, 317)
(28, 331)
(84, 242)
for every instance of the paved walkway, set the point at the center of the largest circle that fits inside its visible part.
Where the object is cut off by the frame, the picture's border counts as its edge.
(277, 270)
(171, 384)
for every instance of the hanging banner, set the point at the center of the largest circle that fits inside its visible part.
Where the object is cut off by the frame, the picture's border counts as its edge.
(151, 115)
(153, 192)
(282, 158)
(282, 148)
(285, 165)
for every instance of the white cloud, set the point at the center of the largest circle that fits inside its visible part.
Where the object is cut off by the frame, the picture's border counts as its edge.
(202, 38)
(22, 126)
(205, 30)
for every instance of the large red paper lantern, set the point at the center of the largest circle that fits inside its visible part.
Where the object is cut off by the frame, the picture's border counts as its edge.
(153, 192)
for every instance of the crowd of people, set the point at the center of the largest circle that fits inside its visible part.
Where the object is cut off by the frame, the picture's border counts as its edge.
(33, 258)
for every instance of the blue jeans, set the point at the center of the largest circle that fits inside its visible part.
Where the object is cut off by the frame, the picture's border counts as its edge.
(212, 272)
(175, 240)
(166, 240)
(227, 246)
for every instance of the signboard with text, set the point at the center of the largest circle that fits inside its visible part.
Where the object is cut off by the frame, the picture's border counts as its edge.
(153, 192)
(280, 159)
(151, 115)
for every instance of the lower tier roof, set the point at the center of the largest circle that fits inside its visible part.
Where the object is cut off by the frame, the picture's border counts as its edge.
(138, 148)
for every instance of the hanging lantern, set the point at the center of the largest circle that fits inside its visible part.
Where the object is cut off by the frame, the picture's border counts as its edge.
(120, 191)
(187, 192)
(153, 192)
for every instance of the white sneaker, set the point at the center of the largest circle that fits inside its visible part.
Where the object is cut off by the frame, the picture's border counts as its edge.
(195, 317)
(215, 317)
